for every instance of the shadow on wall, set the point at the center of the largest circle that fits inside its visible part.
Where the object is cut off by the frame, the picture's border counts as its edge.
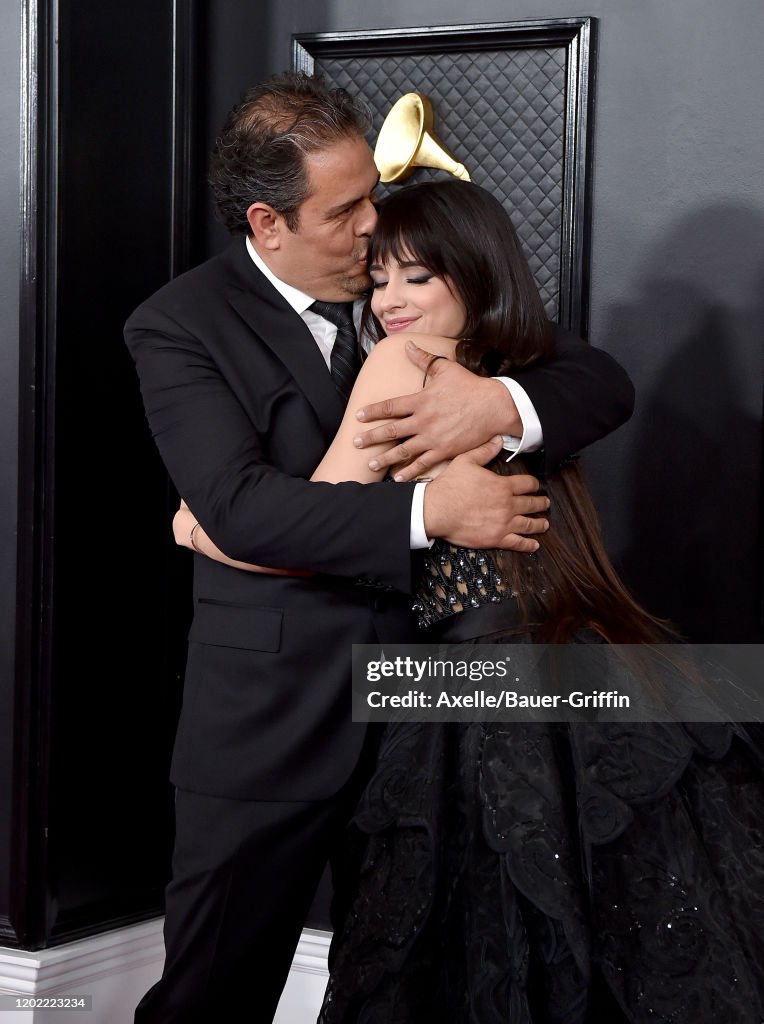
(693, 487)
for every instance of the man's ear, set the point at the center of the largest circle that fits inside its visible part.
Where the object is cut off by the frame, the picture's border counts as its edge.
(266, 225)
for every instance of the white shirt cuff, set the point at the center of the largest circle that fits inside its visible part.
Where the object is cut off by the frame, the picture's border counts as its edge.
(419, 538)
(533, 436)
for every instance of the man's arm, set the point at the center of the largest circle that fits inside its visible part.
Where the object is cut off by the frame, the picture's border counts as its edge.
(580, 396)
(258, 514)
(446, 512)
(252, 511)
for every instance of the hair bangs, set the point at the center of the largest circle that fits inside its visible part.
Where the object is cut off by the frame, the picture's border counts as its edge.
(404, 235)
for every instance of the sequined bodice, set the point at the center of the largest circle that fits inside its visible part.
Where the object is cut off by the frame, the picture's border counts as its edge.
(454, 579)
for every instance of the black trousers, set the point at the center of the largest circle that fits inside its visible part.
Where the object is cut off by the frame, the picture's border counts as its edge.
(244, 875)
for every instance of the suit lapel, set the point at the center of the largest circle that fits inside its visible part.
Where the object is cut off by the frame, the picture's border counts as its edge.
(284, 332)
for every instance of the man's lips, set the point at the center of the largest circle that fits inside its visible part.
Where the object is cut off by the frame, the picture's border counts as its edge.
(399, 323)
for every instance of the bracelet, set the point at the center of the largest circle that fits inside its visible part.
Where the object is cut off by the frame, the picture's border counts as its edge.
(191, 537)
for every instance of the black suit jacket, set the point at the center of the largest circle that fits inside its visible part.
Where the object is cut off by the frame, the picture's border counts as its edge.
(242, 408)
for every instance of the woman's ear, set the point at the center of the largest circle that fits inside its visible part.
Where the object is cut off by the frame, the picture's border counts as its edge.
(266, 225)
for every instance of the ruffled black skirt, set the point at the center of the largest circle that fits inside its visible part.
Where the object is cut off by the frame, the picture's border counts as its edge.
(555, 874)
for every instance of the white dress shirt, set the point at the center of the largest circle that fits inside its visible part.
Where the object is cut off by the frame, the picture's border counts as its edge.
(325, 333)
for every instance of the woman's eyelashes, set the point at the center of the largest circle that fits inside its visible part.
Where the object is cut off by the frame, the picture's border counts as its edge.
(419, 279)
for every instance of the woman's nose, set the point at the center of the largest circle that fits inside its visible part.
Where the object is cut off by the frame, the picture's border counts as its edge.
(391, 297)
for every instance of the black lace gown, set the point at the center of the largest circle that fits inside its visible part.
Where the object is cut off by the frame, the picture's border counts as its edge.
(550, 873)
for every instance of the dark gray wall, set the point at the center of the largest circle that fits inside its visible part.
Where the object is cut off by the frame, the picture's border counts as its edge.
(677, 279)
(226, 68)
(10, 55)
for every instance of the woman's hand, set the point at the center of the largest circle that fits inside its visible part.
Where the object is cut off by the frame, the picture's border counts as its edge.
(189, 533)
(182, 523)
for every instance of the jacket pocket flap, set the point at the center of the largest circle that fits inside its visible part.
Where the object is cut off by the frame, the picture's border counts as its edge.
(231, 625)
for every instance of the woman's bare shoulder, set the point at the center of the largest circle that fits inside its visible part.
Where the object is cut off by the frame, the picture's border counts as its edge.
(388, 372)
(394, 346)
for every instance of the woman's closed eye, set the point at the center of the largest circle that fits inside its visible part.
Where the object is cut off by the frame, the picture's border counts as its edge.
(419, 279)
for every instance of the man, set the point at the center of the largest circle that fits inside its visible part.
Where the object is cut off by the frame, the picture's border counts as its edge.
(242, 391)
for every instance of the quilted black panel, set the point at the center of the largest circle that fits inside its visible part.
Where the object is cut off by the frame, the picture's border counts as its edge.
(501, 113)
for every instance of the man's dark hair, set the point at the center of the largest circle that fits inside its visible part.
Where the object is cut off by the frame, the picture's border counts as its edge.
(260, 153)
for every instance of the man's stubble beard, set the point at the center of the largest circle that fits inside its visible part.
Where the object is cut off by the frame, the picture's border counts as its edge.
(358, 285)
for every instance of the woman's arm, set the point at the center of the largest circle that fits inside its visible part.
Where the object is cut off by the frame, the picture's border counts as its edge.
(190, 534)
(219, 462)
(386, 371)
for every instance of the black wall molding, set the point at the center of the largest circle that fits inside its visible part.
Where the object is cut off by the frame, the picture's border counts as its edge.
(107, 123)
(554, 165)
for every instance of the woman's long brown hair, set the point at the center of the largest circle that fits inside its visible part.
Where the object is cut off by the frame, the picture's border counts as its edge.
(462, 234)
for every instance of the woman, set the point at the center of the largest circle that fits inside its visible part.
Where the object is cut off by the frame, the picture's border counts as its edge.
(530, 872)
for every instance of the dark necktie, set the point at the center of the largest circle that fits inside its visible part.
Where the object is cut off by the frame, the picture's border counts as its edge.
(346, 354)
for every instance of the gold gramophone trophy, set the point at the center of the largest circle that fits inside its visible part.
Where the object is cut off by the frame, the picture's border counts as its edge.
(406, 140)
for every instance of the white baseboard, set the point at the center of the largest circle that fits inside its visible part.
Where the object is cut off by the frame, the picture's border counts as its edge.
(304, 991)
(115, 968)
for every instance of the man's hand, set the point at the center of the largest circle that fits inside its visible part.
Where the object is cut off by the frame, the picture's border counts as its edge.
(454, 413)
(475, 508)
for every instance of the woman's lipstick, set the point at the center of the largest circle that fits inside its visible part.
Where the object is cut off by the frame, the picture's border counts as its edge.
(399, 323)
